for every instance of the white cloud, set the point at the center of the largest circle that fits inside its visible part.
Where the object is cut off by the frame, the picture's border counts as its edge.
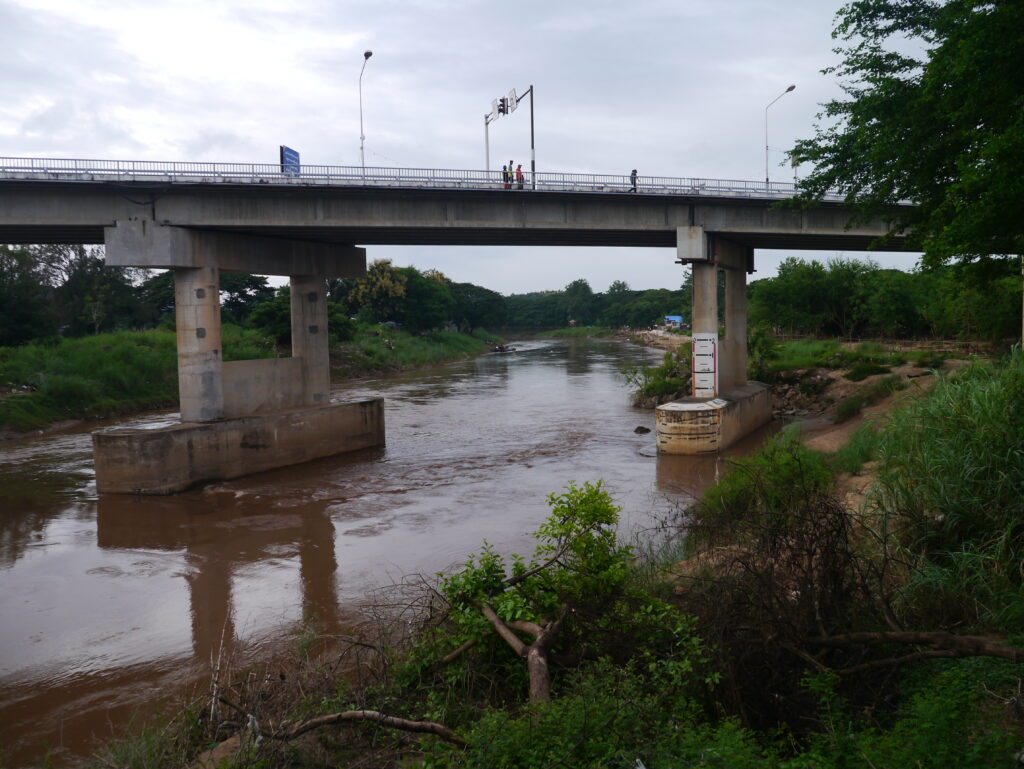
(671, 87)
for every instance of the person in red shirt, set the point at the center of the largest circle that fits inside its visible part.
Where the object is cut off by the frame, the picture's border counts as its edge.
(519, 176)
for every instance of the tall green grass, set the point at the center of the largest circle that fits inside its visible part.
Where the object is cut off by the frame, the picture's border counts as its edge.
(955, 460)
(102, 375)
(375, 349)
(953, 475)
(862, 447)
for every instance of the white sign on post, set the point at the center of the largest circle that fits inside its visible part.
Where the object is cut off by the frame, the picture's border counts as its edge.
(512, 101)
(705, 365)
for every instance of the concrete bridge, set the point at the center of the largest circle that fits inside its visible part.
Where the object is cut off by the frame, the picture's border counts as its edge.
(203, 218)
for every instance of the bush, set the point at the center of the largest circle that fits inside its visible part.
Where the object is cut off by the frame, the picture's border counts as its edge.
(652, 384)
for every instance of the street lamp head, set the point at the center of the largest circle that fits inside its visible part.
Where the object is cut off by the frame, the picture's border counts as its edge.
(787, 90)
(368, 54)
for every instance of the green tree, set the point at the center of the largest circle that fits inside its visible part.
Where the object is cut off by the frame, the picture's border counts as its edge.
(378, 294)
(477, 307)
(427, 303)
(240, 294)
(578, 302)
(25, 309)
(274, 316)
(933, 114)
(89, 296)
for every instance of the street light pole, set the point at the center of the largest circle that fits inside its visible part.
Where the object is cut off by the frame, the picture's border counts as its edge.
(766, 182)
(362, 136)
(533, 150)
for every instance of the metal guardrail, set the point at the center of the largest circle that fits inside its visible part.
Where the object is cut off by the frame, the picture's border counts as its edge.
(80, 170)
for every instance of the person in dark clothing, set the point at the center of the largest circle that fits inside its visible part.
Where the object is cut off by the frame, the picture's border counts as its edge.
(632, 180)
(506, 176)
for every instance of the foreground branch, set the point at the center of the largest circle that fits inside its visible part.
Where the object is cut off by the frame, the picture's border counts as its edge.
(956, 645)
(373, 716)
(535, 654)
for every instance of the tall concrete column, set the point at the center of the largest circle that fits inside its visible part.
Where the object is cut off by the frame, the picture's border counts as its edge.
(733, 346)
(705, 330)
(200, 362)
(310, 340)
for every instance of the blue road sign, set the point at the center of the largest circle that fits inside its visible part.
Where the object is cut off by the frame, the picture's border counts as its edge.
(290, 161)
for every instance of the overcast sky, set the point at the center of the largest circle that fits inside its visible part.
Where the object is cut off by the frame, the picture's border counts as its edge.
(670, 87)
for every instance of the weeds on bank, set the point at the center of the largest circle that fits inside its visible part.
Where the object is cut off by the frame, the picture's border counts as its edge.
(654, 385)
(102, 375)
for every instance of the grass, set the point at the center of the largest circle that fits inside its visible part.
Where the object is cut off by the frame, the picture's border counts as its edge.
(376, 349)
(851, 406)
(101, 376)
(861, 448)
(829, 353)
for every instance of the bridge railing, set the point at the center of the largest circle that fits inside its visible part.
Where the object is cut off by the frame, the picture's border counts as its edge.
(184, 172)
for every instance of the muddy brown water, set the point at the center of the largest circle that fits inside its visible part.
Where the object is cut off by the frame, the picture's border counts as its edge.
(113, 606)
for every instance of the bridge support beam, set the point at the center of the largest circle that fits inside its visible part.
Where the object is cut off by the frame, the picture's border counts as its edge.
(724, 406)
(243, 416)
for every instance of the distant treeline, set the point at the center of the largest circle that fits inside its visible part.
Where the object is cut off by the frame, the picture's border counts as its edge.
(856, 298)
(50, 291)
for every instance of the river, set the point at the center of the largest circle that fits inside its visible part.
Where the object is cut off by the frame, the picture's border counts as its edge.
(111, 606)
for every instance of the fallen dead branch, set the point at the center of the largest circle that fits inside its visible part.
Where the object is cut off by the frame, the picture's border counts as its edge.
(946, 645)
(372, 716)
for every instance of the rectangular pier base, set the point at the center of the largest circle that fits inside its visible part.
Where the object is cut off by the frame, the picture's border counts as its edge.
(702, 425)
(169, 459)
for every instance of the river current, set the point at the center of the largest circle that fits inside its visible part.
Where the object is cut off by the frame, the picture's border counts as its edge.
(111, 606)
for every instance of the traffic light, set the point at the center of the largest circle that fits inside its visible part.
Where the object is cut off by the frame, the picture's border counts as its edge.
(502, 106)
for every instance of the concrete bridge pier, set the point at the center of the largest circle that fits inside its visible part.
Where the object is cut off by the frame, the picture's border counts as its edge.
(200, 363)
(724, 405)
(246, 416)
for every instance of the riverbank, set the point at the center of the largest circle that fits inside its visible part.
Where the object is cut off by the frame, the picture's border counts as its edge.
(45, 386)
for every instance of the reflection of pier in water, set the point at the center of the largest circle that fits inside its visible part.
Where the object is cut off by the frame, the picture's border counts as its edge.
(217, 544)
(691, 474)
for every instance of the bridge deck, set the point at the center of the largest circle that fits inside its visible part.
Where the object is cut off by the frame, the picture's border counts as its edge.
(70, 201)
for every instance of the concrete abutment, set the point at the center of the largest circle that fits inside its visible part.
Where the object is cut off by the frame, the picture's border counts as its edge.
(244, 416)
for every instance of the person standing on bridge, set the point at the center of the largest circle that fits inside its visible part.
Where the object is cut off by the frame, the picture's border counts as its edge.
(632, 179)
(519, 176)
(506, 176)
